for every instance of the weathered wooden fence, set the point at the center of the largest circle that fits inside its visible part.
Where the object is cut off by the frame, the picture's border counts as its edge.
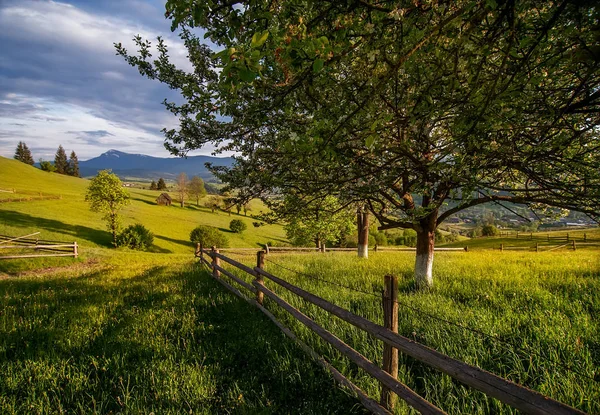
(20, 247)
(512, 394)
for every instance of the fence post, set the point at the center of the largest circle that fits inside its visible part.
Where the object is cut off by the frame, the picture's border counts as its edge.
(567, 236)
(322, 247)
(267, 248)
(548, 237)
(531, 235)
(390, 354)
(216, 261)
(75, 250)
(517, 234)
(375, 248)
(537, 247)
(466, 249)
(260, 263)
(584, 237)
(501, 247)
(574, 248)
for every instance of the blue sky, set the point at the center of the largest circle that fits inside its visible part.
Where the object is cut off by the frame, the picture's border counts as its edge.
(61, 82)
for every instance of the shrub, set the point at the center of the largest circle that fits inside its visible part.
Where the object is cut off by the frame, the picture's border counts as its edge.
(209, 236)
(258, 224)
(489, 230)
(475, 232)
(136, 237)
(237, 226)
(410, 237)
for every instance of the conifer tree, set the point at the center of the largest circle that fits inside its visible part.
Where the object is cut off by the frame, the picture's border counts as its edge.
(153, 185)
(73, 165)
(23, 154)
(161, 184)
(60, 161)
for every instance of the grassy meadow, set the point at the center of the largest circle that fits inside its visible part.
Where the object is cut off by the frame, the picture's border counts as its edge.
(119, 331)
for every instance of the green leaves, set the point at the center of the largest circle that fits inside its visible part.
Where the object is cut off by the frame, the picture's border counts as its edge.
(318, 65)
(258, 39)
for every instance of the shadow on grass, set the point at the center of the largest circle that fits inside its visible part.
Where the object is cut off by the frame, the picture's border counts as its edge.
(148, 202)
(168, 341)
(77, 232)
(187, 244)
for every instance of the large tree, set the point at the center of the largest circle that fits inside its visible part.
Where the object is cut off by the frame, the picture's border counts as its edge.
(161, 185)
(60, 161)
(106, 195)
(417, 109)
(23, 154)
(181, 188)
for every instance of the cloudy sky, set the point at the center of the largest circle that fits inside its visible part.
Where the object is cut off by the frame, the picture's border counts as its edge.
(61, 82)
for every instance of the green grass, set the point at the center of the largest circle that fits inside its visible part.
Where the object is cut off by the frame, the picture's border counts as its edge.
(137, 335)
(70, 219)
(545, 305)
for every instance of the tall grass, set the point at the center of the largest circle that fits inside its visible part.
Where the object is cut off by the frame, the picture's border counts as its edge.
(539, 313)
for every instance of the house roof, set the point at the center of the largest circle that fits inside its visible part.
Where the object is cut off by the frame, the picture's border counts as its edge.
(164, 196)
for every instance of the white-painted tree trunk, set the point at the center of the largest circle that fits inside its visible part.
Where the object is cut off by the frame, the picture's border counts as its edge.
(363, 251)
(424, 260)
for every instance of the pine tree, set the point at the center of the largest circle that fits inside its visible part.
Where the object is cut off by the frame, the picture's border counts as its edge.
(23, 154)
(27, 157)
(19, 151)
(60, 161)
(73, 165)
(153, 185)
(161, 184)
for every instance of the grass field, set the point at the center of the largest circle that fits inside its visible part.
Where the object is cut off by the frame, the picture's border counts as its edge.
(118, 331)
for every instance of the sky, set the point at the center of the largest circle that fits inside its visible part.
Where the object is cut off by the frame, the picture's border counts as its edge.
(61, 82)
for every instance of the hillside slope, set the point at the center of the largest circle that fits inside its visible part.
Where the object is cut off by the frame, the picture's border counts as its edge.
(70, 219)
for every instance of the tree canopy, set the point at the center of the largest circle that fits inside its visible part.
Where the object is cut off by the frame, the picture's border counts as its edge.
(23, 154)
(60, 161)
(417, 109)
(106, 195)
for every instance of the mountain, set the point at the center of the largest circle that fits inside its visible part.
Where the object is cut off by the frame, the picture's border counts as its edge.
(129, 166)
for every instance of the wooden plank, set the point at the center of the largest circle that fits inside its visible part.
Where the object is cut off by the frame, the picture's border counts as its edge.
(390, 354)
(233, 262)
(379, 248)
(403, 391)
(517, 396)
(367, 402)
(19, 237)
(32, 256)
(36, 246)
(557, 247)
(236, 279)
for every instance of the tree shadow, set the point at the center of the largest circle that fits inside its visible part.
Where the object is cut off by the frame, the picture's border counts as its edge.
(77, 232)
(187, 244)
(191, 347)
(148, 202)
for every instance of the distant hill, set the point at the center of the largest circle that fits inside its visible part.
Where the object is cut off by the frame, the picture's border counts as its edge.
(139, 166)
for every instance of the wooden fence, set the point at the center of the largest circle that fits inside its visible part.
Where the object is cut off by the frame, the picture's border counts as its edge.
(273, 249)
(20, 247)
(548, 237)
(512, 394)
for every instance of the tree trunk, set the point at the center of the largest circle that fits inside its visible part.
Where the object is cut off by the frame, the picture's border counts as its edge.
(425, 245)
(318, 242)
(362, 219)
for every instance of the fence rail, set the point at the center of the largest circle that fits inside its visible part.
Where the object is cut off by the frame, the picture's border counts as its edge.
(24, 243)
(512, 394)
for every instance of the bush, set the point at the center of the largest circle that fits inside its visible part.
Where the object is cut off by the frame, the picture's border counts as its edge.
(208, 236)
(258, 224)
(410, 237)
(489, 230)
(237, 226)
(136, 237)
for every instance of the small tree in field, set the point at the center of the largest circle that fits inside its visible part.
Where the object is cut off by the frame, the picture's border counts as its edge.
(237, 226)
(213, 203)
(196, 189)
(161, 185)
(47, 166)
(106, 195)
(153, 185)
(182, 188)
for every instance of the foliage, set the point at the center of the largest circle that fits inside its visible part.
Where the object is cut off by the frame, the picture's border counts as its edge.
(153, 185)
(237, 226)
(209, 236)
(106, 195)
(73, 166)
(136, 237)
(320, 222)
(196, 189)
(397, 104)
(213, 203)
(47, 166)
(23, 154)
(60, 161)
(410, 237)
(161, 185)
(489, 230)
